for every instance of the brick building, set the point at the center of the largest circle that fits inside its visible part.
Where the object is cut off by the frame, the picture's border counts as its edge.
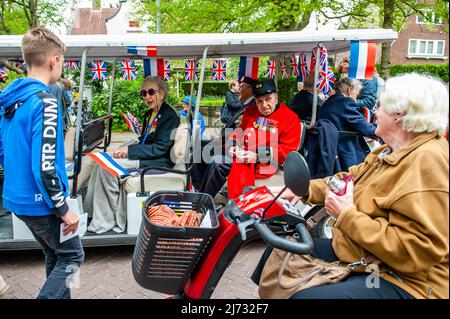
(417, 44)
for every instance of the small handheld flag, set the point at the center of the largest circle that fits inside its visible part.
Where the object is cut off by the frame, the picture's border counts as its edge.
(326, 75)
(132, 123)
(105, 161)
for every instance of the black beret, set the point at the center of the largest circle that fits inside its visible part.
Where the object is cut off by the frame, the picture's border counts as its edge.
(249, 81)
(265, 87)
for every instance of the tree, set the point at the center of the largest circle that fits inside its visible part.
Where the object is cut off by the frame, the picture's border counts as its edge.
(187, 16)
(392, 14)
(17, 16)
(206, 16)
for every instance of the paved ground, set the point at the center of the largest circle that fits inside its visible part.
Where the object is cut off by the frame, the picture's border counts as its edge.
(106, 274)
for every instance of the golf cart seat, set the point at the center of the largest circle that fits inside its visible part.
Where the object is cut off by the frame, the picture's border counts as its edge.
(165, 180)
(277, 179)
(91, 135)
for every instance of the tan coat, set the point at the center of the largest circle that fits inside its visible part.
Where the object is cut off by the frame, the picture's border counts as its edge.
(401, 215)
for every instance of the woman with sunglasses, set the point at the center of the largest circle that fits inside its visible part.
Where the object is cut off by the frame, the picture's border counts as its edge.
(153, 149)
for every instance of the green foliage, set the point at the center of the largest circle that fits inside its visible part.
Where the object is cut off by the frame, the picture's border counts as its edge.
(16, 17)
(209, 88)
(125, 98)
(11, 77)
(206, 16)
(286, 88)
(13, 19)
(439, 70)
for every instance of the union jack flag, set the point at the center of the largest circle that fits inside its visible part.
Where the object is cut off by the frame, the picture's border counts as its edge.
(219, 69)
(304, 65)
(326, 75)
(294, 65)
(132, 123)
(190, 71)
(284, 74)
(3, 72)
(167, 70)
(99, 71)
(128, 70)
(71, 64)
(271, 66)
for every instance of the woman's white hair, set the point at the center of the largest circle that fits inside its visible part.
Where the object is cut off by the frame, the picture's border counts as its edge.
(423, 99)
(342, 85)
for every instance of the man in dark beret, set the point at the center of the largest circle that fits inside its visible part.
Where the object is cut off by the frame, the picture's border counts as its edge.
(269, 131)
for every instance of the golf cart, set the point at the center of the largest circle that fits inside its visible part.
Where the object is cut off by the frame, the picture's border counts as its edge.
(90, 135)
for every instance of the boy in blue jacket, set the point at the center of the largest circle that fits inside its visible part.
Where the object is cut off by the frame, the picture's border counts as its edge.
(32, 154)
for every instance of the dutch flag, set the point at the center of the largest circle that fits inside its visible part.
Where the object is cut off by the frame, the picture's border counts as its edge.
(362, 59)
(154, 67)
(143, 51)
(105, 161)
(248, 66)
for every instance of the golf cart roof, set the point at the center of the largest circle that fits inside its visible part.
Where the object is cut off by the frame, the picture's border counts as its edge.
(192, 45)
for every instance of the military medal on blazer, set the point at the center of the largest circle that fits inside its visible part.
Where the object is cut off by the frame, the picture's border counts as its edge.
(152, 126)
(265, 124)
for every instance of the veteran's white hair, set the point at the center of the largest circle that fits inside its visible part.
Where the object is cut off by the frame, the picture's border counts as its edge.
(423, 99)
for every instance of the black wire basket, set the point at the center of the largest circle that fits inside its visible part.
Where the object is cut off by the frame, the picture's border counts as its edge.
(164, 257)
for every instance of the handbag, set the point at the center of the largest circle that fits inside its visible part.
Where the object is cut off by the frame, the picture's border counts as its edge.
(297, 272)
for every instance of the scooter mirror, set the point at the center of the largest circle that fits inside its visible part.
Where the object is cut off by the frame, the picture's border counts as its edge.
(296, 174)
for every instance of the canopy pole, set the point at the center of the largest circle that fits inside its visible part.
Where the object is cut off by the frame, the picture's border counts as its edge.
(195, 137)
(111, 89)
(78, 152)
(191, 94)
(316, 90)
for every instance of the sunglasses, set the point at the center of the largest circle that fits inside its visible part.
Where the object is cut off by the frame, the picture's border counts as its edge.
(150, 92)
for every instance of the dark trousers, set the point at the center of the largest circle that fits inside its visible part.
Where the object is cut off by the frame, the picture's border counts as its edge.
(61, 259)
(215, 174)
(354, 287)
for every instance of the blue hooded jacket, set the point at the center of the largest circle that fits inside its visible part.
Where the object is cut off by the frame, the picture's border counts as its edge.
(32, 150)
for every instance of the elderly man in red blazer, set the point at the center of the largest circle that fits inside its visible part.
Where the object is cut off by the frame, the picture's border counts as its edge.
(269, 131)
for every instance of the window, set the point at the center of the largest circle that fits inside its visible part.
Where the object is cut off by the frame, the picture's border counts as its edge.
(440, 47)
(412, 46)
(423, 45)
(420, 19)
(426, 48)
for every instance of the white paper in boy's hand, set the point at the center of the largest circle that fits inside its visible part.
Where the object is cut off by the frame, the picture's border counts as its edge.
(81, 230)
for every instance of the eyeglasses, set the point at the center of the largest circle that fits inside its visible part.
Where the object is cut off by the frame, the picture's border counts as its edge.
(150, 92)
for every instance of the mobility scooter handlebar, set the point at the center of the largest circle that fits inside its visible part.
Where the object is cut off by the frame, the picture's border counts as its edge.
(302, 246)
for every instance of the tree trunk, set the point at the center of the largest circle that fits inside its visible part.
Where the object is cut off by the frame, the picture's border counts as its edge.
(388, 23)
(34, 18)
(3, 25)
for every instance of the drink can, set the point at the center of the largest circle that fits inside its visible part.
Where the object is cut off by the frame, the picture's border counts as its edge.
(336, 185)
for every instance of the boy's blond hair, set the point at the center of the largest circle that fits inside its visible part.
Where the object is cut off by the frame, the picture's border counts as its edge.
(39, 44)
